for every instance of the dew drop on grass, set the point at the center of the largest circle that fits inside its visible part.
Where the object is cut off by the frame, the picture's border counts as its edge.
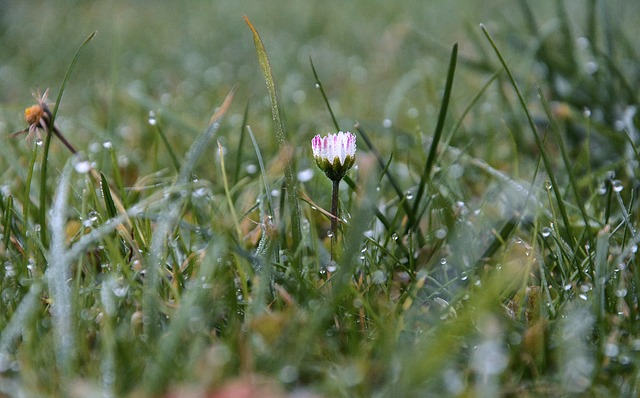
(329, 234)
(39, 141)
(275, 193)
(288, 374)
(82, 167)
(409, 195)
(107, 145)
(317, 85)
(251, 168)
(305, 175)
(622, 292)
(611, 350)
(387, 123)
(617, 185)
(547, 184)
(152, 118)
(546, 231)
(332, 266)
(441, 233)
(378, 277)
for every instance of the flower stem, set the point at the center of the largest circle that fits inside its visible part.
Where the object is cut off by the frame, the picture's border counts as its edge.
(334, 213)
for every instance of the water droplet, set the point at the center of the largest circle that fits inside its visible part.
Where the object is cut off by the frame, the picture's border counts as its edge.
(152, 118)
(305, 175)
(583, 296)
(275, 193)
(82, 167)
(586, 112)
(288, 374)
(591, 67)
(622, 292)
(441, 233)
(199, 193)
(317, 85)
(611, 350)
(546, 231)
(329, 234)
(107, 145)
(251, 168)
(387, 123)
(39, 141)
(332, 266)
(409, 195)
(378, 277)
(36, 227)
(617, 185)
(547, 184)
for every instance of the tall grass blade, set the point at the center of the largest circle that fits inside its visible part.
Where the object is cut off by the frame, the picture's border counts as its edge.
(243, 129)
(263, 172)
(567, 162)
(57, 275)
(227, 193)
(324, 95)
(431, 158)
(165, 141)
(47, 142)
(545, 157)
(292, 193)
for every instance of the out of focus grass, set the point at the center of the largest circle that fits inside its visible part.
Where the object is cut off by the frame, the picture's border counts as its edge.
(509, 267)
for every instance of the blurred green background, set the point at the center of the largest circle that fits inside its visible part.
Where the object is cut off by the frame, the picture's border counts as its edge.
(377, 60)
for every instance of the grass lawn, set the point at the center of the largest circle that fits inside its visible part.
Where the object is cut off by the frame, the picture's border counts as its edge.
(168, 229)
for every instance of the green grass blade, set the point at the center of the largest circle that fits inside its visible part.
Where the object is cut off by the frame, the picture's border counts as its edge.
(385, 167)
(567, 162)
(57, 275)
(172, 155)
(324, 95)
(243, 129)
(437, 134)
(292, 190)
(108, 200)
(43, 174)
(545, 158)
(263, 172)
(8, 209)
(227, 193)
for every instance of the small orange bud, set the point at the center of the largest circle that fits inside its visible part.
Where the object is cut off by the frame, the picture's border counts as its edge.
(33, 114)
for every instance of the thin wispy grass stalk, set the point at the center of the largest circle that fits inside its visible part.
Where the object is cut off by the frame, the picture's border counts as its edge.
(437, 134)
(239, 151)
(47, 142)
(227, 193)
(292, 190)
(545, 158)
(324, 95)
(263, 173)
(167, 145)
